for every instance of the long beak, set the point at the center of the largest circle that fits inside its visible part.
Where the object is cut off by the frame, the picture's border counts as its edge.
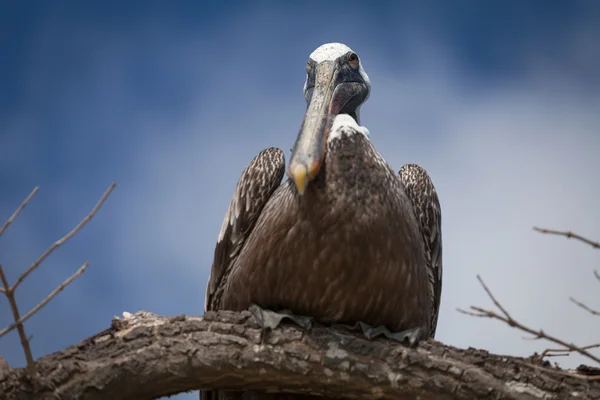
(308, 152)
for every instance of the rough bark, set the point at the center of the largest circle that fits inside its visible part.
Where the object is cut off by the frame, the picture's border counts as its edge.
(146, 356)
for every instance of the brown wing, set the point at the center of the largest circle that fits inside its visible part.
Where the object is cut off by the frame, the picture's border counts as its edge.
(424, 198)
(256, 185)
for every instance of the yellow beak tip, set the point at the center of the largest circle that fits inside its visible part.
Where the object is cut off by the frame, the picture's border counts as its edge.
(299, 175)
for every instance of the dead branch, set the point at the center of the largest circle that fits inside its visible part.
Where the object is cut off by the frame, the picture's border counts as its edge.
(565, 352)
(506, 318)
(6, 290)
(68, 236)
(42, 303)
(540, 334)
(9, 291)
(10, 295)
(585, 307)
(19, 209)
(146, 356)
(568, 235)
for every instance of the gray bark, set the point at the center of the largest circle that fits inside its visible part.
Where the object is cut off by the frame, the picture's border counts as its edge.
(146, 356)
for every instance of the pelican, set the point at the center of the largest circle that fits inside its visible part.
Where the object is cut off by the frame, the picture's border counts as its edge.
(344, 239)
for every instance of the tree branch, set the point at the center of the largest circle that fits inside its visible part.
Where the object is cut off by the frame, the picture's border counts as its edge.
(565, 352)
(9, 291)
(10, 295)
(19, 209)
(42, 303)
(568, 235)
(506, 318)
(146, 356)
(585, 307)
(68, 236)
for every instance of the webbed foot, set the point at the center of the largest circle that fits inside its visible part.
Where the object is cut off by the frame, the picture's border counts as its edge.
(409, 336)
(268, 319)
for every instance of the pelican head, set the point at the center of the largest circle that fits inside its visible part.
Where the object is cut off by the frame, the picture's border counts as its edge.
(336, 83)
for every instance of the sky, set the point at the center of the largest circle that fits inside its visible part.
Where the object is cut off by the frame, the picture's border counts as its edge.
(499, 102)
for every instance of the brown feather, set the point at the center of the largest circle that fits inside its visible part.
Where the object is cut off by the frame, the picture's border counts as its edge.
(422, 193)
(256, 185)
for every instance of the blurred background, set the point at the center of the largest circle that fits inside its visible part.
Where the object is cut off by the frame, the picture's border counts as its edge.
(500, 102)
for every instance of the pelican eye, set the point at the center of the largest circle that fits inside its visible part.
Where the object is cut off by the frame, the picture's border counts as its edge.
(353, 60)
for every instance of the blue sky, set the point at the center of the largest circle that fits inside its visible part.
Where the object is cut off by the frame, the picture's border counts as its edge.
(500, 103)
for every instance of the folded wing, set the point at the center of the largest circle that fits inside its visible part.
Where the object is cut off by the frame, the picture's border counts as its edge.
(256, 185)
(424, 198)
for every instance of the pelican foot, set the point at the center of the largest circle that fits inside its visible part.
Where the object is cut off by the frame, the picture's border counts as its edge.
(409, 336)
(268, 319)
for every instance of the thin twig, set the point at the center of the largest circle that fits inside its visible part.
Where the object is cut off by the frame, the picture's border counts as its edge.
(597, 275)
(10, 295)
(21, 207)
(42, 303)
(564, 352)
(568, 235)
(585, 307)
(9, 291)
(64, 238)
(506, 318)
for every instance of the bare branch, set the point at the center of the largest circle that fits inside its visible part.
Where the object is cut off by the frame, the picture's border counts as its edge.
(64, 238)
(489, 293)
(585, 307)
(10, 295)
(565, 352)
(506, 318)
(21, 207)
(568, 235)
(42, 303)
(9, 291)
(145, 356)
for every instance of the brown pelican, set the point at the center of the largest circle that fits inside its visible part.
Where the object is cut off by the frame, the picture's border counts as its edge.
(344, 239)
